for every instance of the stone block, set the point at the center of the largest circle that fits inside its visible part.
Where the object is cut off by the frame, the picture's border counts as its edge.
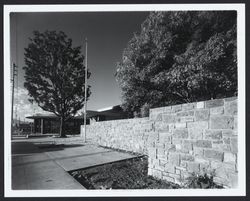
(203, 143)
(160, 151)
(152, 152)
(204, 167)
(226, 140)
(195, 133)
(185, 119)
(161, 126)
(176, 141)
(150, 171)
(204, 163)
(168, 179)
(181, 168)
(159, 145)
(185, 113)
(199, 124)
(168, 118)
(221, 122)
(229, 133)
(222, 170)
(178, 147)
(156, 162)
(163, 162)
(157, 174)
(177, 171)
(169, 168)
(174, 158)
(193, 167)
(164, 137)
(180, 125)
(186, 175)
(233, 179)
(187, 157)
(174, 175)
(221, 181)
(202, 115)
(188, 144)
(213, 154)
(188, 106)
(231, 99)
(220, 146)
(158, 117)
(167, 109)
(176, 108)
(231, 108)
(183, 164)
(213, 134)
(235, 123)
(159, 167)
(170, 148)
(200, 105)
(229, 157)
(217, 110)
(180, 133)
(214, 103)
(234, 145)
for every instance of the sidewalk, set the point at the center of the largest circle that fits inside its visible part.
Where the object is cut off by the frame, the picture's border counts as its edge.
(33, 169)
(35, 165)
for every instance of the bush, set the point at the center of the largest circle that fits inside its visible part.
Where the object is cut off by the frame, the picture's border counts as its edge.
(203, 181)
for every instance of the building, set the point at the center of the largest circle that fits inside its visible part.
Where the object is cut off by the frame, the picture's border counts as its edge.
(108, 113)
(50, 123)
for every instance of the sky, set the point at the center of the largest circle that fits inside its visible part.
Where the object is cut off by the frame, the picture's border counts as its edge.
(108, 34)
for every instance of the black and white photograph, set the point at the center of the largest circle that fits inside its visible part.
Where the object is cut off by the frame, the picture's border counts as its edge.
(119, 100)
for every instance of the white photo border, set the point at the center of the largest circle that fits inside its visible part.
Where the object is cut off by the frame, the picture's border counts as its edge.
(240, 191)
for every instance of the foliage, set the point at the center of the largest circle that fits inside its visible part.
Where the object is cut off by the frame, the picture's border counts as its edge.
(179, 57)
(127, 174)
(55, 74)
(204, 181)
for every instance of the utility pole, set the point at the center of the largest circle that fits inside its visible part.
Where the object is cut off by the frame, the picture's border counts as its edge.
(86, 86)
(14, 73)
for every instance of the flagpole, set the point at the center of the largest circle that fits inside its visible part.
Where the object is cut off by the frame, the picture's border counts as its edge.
(85, 94)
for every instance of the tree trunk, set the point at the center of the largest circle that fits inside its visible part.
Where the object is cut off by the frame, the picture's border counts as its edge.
(62, 126)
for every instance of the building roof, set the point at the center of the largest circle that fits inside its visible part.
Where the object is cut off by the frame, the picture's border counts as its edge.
(114, 111)
(48, 116)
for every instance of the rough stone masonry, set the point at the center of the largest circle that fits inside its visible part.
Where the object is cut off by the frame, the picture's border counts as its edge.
(181, 139)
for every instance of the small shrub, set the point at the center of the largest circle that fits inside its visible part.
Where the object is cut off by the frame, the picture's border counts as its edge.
(203, 181)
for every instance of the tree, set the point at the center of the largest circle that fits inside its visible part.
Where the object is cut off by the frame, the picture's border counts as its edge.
(55, 74)
(179, 57)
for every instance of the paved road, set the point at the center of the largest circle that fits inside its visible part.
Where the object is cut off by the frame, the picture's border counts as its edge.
(36, 166)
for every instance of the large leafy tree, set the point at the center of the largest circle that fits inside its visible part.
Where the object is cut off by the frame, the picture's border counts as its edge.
(55, 74)
(179, 57)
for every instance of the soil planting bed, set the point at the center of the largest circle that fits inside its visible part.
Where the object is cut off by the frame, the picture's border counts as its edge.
(128, 174)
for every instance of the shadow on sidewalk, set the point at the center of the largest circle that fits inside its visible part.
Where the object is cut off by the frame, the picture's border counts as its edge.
(32, 147)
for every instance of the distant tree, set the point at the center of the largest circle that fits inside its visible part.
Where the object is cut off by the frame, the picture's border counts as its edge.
(55, 74)
(179, 57)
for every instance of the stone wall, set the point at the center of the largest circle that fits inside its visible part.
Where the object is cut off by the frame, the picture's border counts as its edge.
(127, 134)
(195, 137)
(180, 139)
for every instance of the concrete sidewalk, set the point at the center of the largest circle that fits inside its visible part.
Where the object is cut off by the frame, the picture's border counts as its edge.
(37, 166)
(33, 169)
